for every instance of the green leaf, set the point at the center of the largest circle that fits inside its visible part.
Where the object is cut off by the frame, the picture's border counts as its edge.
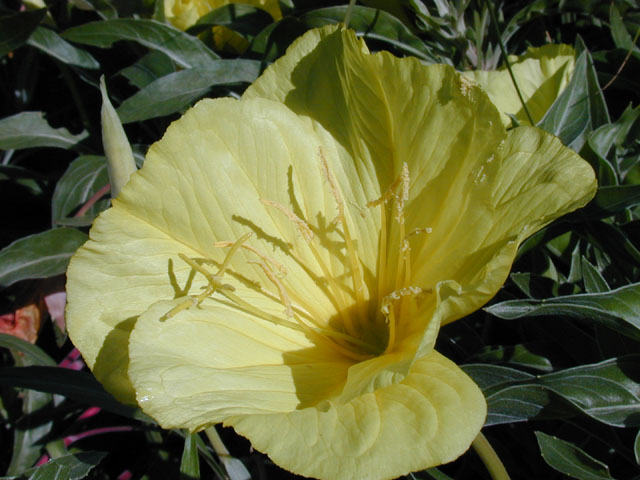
(376, 25)
(593, 280)
(517, 355)
(621, 37)
(618, 309)
(85, 177)
(150, 67)
(177, 91)
(54, 45)
(40, 255)
(30, 130)
(35, 353)
(490, 377)
(104, 8)
(610, 201)
(245, 19)
(614, 242)
(606, 136)
(636, 448)
(79, 386)
(69, 467)
(580, 109)
(566, 458)
(604, 391)
(520, 403)
(272, 42)
(32, 428)
(190, 464)
(15, 29)
(185, 50)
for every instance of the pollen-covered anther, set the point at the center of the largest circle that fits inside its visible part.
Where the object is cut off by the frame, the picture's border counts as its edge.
(282, 292)
(333, 185)
(388, 311)
(300, 224)
(419, 231)
(403, 196)
(282, 270)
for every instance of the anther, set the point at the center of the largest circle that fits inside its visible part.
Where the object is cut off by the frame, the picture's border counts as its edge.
(284, 298)
(300, 224)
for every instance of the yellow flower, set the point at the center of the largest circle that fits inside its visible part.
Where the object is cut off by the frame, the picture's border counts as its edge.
(542, 74)
(283, 263)
(185, 13)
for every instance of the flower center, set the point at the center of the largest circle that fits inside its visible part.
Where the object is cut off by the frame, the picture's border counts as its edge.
(369, 317)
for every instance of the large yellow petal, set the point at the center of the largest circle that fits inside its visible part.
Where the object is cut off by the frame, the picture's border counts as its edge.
(429, 418)
(209, 363)
(531, 180)
(542, 74)
(205, 182)
(381, 112)
(478, 190)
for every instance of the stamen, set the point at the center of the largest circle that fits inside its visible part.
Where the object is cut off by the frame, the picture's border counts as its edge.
(418, 231)
(260, 314)
(301, 225)
(307, 234)
(214, 281)
(284, 298)
(404, 194)
(388, 311)
(401, 200)
(286, 301)
(356, 269)
(281, 268)
(234, 249)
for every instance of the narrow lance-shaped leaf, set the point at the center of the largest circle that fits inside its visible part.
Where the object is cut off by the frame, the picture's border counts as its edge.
(609, 201)
(85, 177)
(40, 255)
(36, 355)
(70, 467)
(185, 50)
(605, 391)
(150, 67)
(190, 464)
(580, 109)
(79, 386)
(618, 309)
(176, 91)
(593, 280)
(52, 44)
(245, 19)
(30, 130)
(375, 25)
(567, 458)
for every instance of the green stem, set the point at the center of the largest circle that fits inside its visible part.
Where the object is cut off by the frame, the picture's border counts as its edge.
(234, 467)
(347, 17)
(494, 22)
(216, 442)
(490, 458)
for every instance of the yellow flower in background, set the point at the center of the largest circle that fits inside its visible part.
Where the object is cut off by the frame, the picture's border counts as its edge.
(542, 74)
(184, 13)
(283, 263)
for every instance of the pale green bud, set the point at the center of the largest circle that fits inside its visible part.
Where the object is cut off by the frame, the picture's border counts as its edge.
(120, 162)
